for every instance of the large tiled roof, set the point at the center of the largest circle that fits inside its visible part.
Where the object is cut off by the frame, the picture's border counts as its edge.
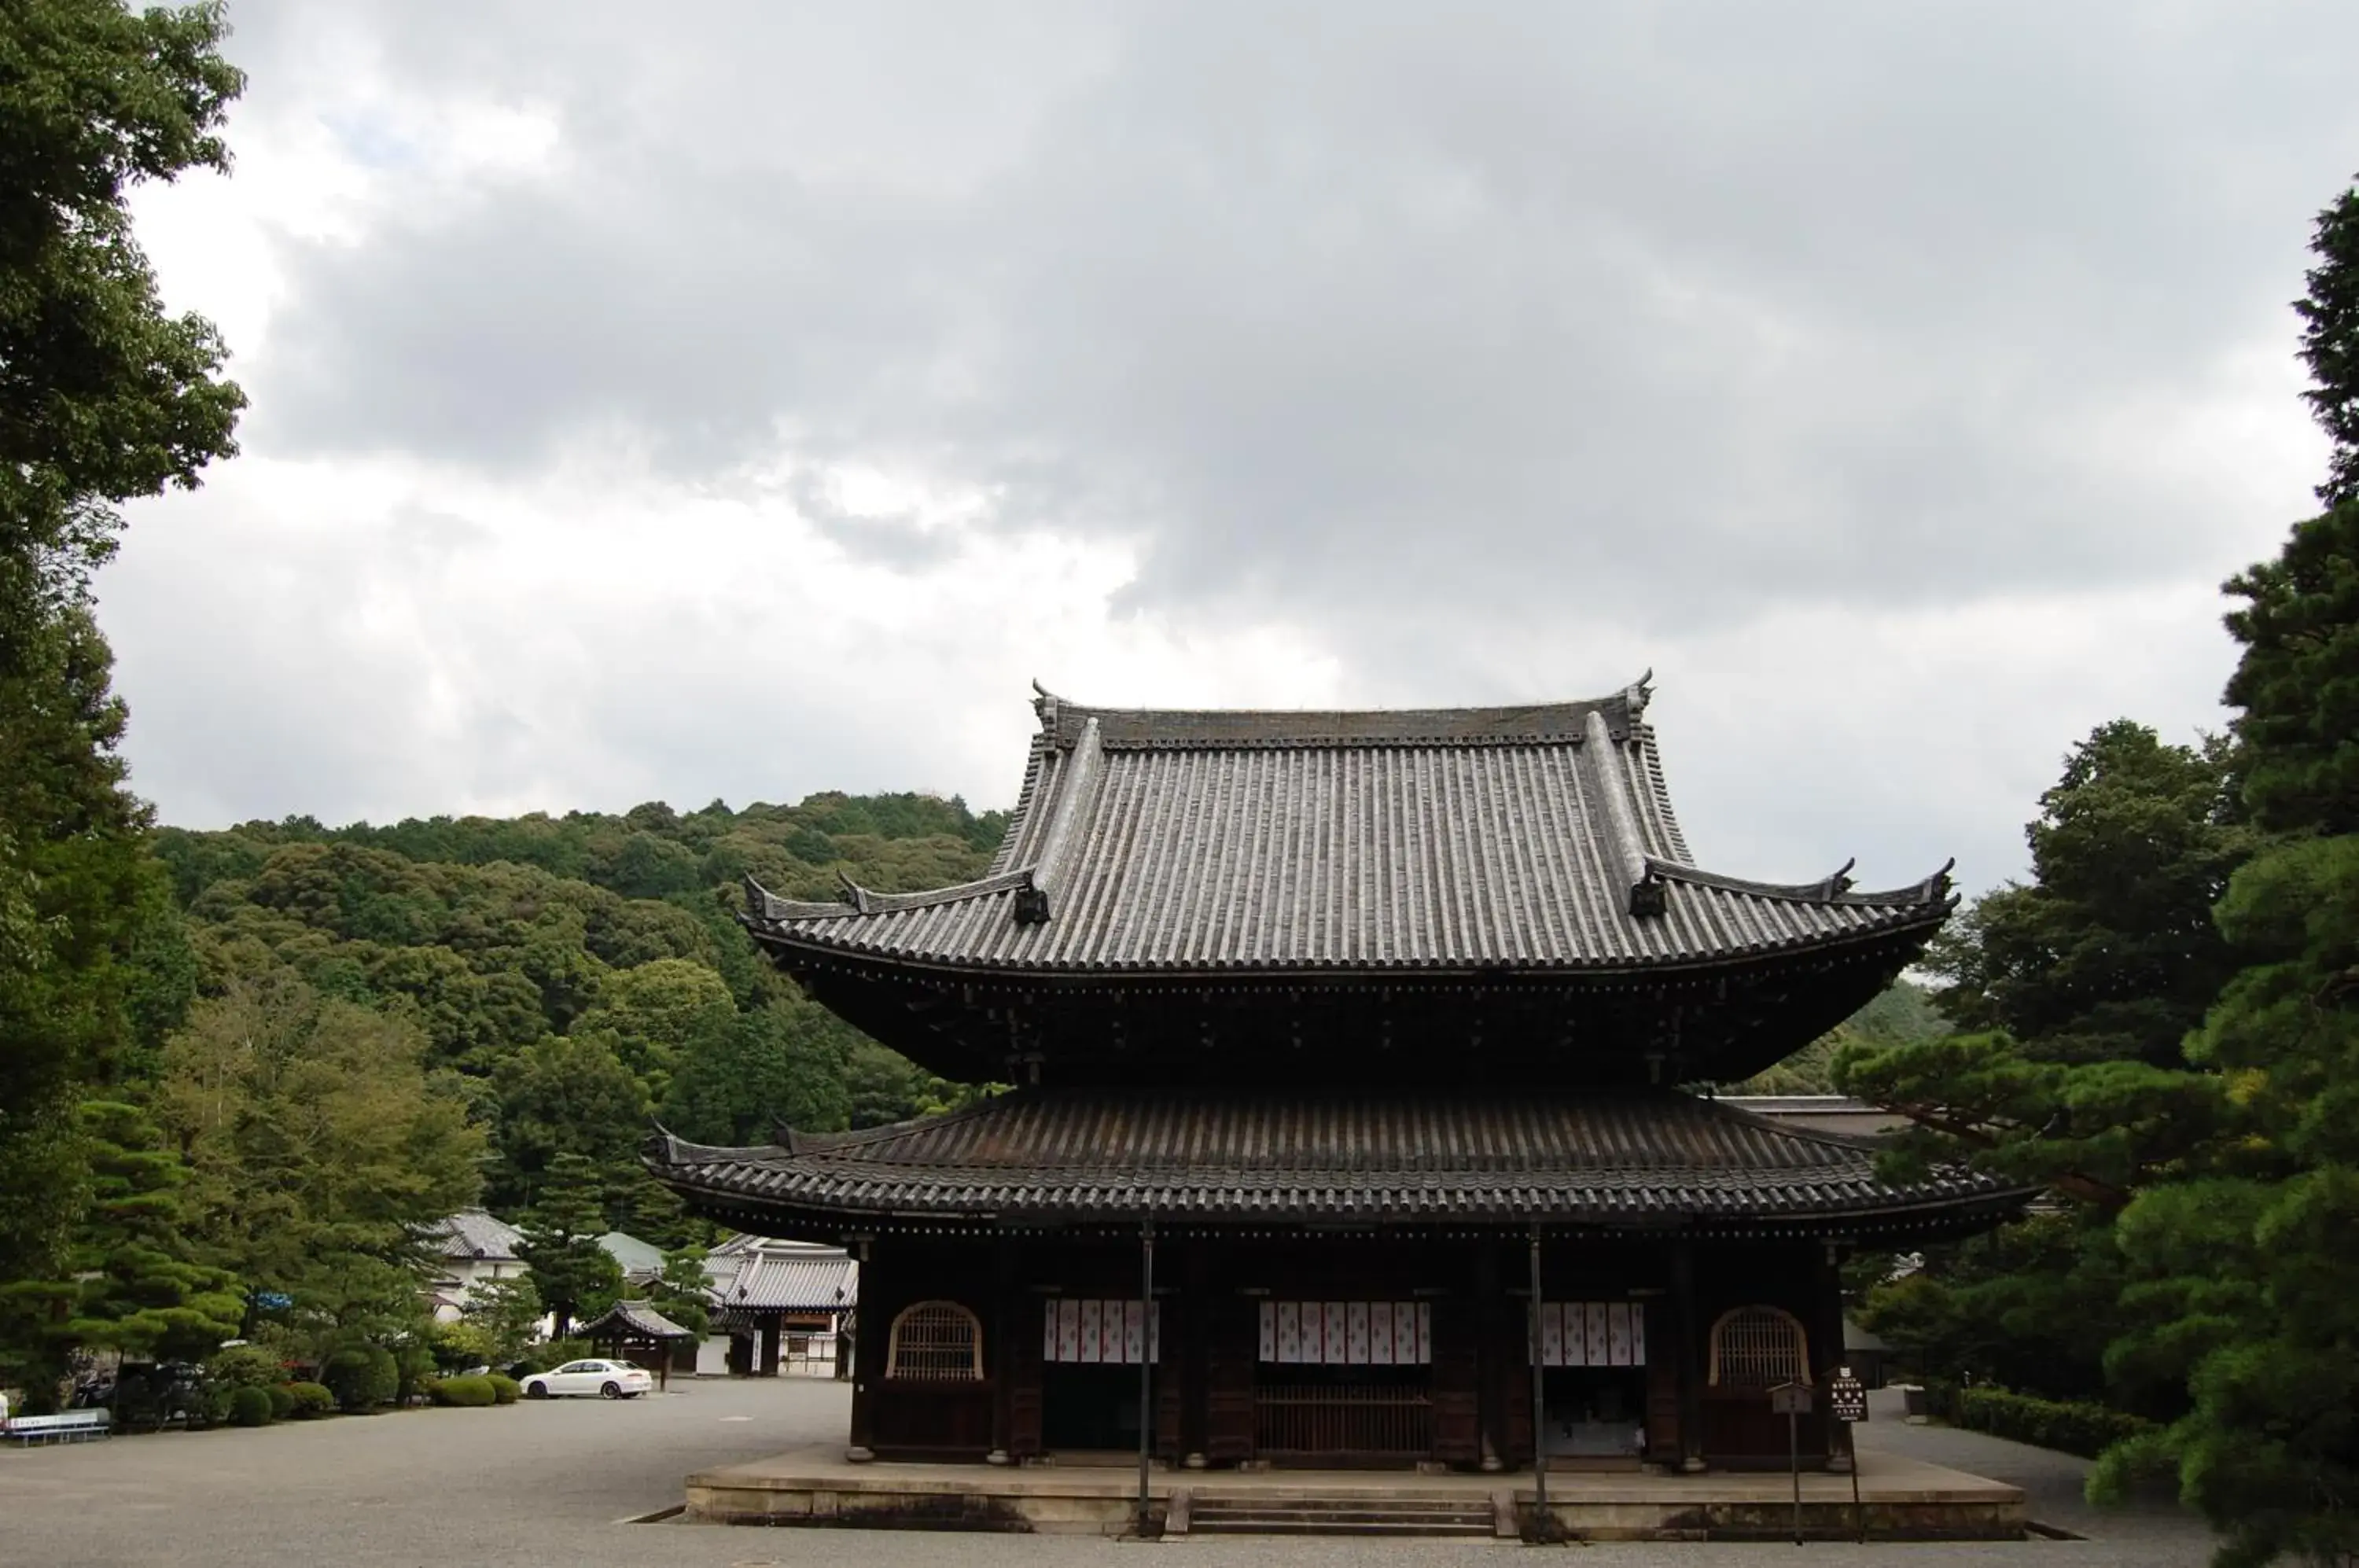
(1635, 1158)
(1534, 838)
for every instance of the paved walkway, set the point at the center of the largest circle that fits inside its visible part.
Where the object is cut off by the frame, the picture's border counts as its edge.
(542, 1486)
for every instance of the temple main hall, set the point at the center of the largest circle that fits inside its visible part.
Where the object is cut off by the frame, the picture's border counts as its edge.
(1352, 1067)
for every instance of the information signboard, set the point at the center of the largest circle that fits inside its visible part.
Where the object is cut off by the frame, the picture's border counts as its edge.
(1846, 1397)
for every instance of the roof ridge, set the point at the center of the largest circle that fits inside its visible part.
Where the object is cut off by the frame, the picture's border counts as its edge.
(1064, 719)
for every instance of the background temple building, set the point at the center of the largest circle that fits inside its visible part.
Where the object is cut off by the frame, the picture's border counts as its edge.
(1349, 1031)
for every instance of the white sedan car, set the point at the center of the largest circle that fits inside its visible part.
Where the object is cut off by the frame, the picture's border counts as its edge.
(608, 1380)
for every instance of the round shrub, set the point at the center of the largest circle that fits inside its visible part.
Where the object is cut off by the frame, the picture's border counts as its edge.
(245, 1367)
(467, 1393)
(282, 1400)
(362, 1376)
(505, 1390)
(309, 1399)
(249, 1405)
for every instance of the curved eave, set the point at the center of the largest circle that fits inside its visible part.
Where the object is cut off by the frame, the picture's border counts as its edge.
(977, 1206)
(843, 934)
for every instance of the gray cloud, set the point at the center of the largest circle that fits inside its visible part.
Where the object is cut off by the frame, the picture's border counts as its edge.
(1696, 309)
(1500, 349)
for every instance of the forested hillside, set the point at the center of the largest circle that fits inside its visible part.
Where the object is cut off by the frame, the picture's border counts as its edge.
(569, 976)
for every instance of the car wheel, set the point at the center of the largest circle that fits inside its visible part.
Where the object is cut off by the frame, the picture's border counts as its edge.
(535, 1391)
(632, 1394)
(609, 1391)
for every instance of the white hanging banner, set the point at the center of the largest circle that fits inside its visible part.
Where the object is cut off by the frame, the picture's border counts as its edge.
(1593, 1333)
(1346, 1334)
(1102, 1333)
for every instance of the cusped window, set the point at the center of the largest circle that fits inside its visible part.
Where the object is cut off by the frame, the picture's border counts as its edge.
(1758, 1347)
(935, 1341)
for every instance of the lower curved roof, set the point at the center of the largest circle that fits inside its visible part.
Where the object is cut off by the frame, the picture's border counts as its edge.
(1636, 1159)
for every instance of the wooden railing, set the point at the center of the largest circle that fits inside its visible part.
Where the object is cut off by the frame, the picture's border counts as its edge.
(1343, 1420)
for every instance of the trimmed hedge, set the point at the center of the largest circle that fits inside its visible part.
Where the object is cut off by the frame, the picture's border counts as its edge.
(249, 1405)
(309, 1399)
(282, 1400)
(2073, 1427)
(468, 1393)
(505, 1390)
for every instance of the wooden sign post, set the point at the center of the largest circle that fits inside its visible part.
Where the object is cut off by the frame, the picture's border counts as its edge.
(1847, 1402)
(1792, 1401)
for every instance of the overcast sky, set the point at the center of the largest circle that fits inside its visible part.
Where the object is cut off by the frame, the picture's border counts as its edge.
(742, 400)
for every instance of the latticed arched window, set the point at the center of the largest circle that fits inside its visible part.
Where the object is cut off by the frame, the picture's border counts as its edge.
(1758, 1347)
(935, 1341)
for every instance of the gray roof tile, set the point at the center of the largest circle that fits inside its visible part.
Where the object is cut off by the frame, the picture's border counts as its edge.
(1536, 838)
(1239, 1155)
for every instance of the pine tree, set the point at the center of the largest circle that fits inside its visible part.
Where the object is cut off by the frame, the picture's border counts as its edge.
(576, 1277)
(2248, 1281)
(683, 1292)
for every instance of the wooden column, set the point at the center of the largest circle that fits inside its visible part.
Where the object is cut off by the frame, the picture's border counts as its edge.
(1827, 1349)
(1003, 1357)
(1495, 1366)
(1190, 1353)
(1689, 1347)
(868, 1361)
(770, 1335)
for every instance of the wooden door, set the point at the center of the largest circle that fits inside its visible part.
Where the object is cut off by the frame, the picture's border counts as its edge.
(1457, 1388)
(1233, 1346)
(1023, 1362)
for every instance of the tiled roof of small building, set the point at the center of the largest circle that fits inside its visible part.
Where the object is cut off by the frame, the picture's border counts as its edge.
(785, 1277)
(1051, 1154)
(1533, 838)
(636, 1319)
(475, 1233)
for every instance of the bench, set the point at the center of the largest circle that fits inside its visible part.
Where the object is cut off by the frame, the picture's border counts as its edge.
(67, 1426)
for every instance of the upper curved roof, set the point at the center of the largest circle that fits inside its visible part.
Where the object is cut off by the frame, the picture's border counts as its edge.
(1538, 837)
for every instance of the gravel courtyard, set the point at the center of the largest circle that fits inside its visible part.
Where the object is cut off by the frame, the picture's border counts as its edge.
(550, 1485)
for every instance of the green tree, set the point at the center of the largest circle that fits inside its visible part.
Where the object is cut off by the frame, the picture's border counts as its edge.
(2245, 1284)
(745, 1074)
(683, 1292)
(319, 1148)
(567, 1097)
(576, 1277)
(654, 1011)
(2071, 993)
(131, 1281)
(508, 1311)
(103, 397)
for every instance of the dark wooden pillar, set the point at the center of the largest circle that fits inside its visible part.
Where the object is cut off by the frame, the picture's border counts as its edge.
(1496, 1368)
(1687, 1345)
(770, 1335)
(1827, 1349)
(1188, 1350)
(868, 1360)
(1003, 1359)
(1457, 1386)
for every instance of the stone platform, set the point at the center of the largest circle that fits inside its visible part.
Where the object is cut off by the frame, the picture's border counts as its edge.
(1904, 1499)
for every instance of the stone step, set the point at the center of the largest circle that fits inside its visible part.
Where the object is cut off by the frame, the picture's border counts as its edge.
(1328, 1526)
(1340, 1516)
